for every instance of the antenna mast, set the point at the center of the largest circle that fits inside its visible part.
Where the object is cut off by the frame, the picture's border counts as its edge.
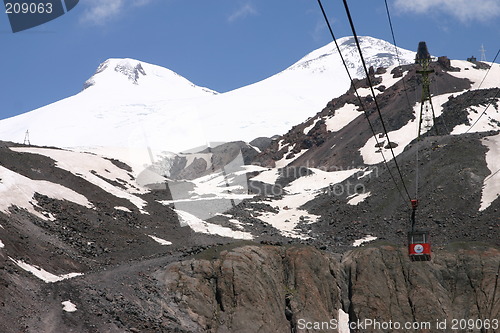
(483, 53)
(27, 138)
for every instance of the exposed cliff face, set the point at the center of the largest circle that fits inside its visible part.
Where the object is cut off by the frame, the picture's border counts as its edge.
(279, 289)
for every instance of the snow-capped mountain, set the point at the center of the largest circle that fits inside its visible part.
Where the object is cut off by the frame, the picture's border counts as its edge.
(128, 79)
(128, 103)
(82, 237)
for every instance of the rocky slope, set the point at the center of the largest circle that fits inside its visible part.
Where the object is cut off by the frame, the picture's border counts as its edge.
(262, 288)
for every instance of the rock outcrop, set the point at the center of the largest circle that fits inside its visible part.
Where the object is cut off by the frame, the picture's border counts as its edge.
(288, 289)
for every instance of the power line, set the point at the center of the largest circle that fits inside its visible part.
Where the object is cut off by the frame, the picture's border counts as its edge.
(397, 53)
(406, 93)
(374, 95)
(484, 111)
(491, 176)
(359, 98)
(477, 89)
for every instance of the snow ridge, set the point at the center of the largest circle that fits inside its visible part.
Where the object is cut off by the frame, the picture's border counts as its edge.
(130, 104)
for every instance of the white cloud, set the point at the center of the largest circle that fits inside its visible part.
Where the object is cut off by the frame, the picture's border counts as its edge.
(464, 10)
(320, 31)
(245, 10)
(100, 11)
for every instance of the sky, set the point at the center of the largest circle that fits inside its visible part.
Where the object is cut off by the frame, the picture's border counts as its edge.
(220, 44)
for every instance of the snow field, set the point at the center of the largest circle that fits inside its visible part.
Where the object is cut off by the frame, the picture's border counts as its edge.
(85, 165)
(17, 190)
(491, 184)
(43, 274)
(467, 71)
(269, 176)
(296, 194)
(198, 225)
(342, 117)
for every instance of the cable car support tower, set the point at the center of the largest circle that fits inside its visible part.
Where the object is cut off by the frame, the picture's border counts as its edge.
(427, 115)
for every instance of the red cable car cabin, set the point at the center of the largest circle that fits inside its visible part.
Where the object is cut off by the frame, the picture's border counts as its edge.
(419, 246)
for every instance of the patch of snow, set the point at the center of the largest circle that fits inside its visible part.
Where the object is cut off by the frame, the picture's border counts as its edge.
(284, 161)
(237, 224)
(257, 149)
(225, 215)
(299, 192)
(125, 209)
(343, 322)
(477, 75)
(196, 198)
(160, 241)
(308, 128)
(1, 245)
(198, 225)
(268, 176)
(191, 157)
(357, 198)
(281, 145)
(319, 179)
(68, 306)
(342, 117)
(367, 173)
(219, 186)
(43, 274)
(388, 79)
(491, 184)
(248, 169)
(50, 216)
(364, 92)
(18, 190)
(289, 215)
(227, 184)
(366, 239)
(85, 165)
(488, 121)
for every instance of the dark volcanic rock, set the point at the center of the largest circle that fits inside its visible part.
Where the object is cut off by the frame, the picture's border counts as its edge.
(262, 143)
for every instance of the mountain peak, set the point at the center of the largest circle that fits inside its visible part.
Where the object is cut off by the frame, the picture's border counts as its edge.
(377, 53)
(130, 68)
(134, 76)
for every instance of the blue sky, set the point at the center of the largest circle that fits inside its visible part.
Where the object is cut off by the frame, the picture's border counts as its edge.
(220, 44)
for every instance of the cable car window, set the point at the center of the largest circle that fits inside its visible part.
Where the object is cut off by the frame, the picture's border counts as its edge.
(419, 238)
